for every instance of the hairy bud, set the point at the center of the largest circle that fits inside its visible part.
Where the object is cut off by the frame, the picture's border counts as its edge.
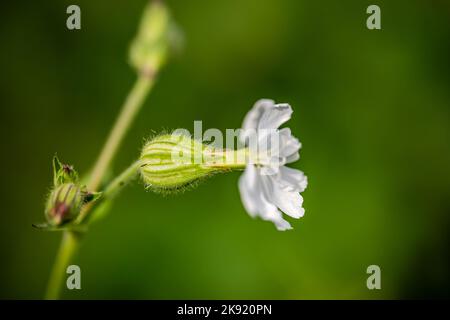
(64, 203)
(171, 162)
(67, 197)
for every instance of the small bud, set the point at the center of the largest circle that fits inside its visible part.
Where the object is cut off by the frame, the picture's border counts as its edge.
(67, 197)
(63, 172)
(171, 162)
(156, 35)
(64, 203)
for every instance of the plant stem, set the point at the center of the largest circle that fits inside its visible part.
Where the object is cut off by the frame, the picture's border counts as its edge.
(132, 105)
(120, 181)
(111, 189)
(67, 249)
(229, 159)
(147, 70)
(70, 240)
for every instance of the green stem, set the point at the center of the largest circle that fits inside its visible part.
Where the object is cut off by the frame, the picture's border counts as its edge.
(111, 189)
(67, 249)
(70, 240)
(121, 180)
(132, 105)
(103, 206)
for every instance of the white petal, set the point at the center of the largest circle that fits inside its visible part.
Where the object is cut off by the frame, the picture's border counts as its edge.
(256, 201)
(267, 207)
(253, 117)
(288, 201)
(248, 190)
(274, 117)
(280, 223)
(269, 186)
(292, 179)
(273, 214)
(261, 197)
(289, 145)
(292, 158)
(276, 147)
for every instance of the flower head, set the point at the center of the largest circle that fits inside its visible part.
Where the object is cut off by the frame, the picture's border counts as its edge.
(267, 186)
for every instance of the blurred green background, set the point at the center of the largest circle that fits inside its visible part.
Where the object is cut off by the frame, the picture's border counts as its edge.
(372, 109)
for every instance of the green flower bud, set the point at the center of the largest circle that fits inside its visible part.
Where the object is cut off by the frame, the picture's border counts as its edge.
(156, 35)
(64, 203)
(172, 162)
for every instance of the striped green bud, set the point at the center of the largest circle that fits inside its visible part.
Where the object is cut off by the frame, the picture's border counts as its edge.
(64, 203)
(172, 161)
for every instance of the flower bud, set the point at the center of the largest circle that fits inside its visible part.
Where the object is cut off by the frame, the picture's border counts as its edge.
(156, 34)
(64, 203)
(171, 162)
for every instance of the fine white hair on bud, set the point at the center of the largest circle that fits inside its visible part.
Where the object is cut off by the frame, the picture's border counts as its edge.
(172, 162)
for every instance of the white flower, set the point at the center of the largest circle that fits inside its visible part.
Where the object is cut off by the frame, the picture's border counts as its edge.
(267, 185)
